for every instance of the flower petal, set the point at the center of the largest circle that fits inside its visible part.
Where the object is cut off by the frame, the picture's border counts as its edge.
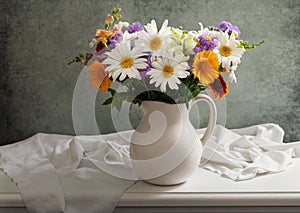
(219, 87)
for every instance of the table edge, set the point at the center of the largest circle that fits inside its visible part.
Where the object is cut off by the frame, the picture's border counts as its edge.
(211, 199)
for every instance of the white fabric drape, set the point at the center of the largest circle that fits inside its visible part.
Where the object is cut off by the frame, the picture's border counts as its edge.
(244, 153)
(54, 175)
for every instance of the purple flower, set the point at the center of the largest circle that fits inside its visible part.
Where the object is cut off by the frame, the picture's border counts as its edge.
(224, 25)
(143, 73)
(116, 38)
(135, 27)
(238, 31)
(191, 61)
(205, 42)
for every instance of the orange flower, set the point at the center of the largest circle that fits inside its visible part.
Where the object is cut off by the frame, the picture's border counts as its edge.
(205, 66)
(98, 76)
(219, 87)
(105, 83)
(102, 35)
(116, 30)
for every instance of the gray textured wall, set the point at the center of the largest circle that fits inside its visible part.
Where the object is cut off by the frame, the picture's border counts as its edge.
(38, 37)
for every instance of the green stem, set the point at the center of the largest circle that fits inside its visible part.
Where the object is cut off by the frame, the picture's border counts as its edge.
(147, 89)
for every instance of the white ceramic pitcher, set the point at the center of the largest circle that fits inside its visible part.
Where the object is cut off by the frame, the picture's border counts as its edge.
(165, 148)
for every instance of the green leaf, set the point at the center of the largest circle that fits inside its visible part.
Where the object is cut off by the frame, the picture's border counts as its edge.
(137, 101)
(118, 99)
(72, 61)
(81, 58)
(116, 10)
(112, 91)
(247, 46)
(196, 91)
(108, 101)
(220, 68)
(187, 104)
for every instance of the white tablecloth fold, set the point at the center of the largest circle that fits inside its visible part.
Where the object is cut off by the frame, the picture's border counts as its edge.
(54, 174)
(242, 154)
(57, 173)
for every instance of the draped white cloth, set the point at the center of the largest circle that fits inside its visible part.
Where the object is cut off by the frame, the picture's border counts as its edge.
(242, 154)
(58, 173)
(54, 174)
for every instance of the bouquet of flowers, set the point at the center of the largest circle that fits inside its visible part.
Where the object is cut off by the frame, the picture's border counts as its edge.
(169, 64)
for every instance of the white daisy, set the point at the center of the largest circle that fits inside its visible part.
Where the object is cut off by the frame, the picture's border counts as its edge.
(202, 29)
(122, 24)
(123, 61)
(176, 41)
(229, 55)
(167, 69)
(153, 40)
(181, 42)
(232, 77)
(130, 37)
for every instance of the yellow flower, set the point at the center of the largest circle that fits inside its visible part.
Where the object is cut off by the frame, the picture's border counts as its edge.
(205, 66)
(102, 35)
(219, 87)
(99, 77)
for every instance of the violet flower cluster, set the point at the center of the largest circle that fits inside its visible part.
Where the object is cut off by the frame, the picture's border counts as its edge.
(227, 26)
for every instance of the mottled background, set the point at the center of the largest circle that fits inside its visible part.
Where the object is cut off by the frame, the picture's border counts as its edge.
(38, 37)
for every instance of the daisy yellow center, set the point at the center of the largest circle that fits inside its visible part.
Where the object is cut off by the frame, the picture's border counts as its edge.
(155, 43)
(225, 50)
(167, 71)
(208, 38)
(126, 62)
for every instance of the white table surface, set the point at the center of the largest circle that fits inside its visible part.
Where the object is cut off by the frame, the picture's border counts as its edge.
(205, 191)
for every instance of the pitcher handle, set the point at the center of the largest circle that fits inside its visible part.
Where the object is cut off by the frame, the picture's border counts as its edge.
(212, 116)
